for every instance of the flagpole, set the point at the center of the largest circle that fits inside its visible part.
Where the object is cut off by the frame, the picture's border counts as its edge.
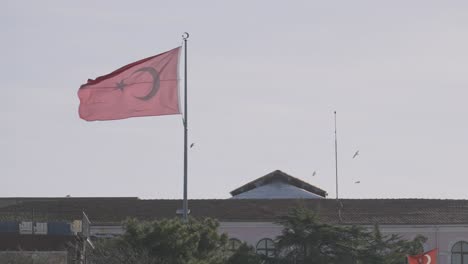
(185, 36)
(336, 159)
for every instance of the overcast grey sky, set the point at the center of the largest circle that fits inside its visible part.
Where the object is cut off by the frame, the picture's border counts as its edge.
(264, 80)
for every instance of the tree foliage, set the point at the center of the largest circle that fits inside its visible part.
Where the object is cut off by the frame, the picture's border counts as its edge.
(168, 241)
(245, 254)
(305, 239)
(30, 257)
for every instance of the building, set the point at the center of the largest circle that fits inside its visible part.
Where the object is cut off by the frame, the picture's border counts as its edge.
(250, 214)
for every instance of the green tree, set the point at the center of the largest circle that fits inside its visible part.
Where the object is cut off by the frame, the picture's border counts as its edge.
(168, 241)
(389, 249)
(305, 239)
(245, 254)
(29, 257)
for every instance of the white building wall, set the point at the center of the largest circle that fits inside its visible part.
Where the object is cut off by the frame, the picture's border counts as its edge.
(442, 237)
(103, 231)
(250, 232)
(439, 236)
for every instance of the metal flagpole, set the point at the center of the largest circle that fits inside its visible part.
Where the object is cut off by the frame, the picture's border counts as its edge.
(185, 36)
(336, 160)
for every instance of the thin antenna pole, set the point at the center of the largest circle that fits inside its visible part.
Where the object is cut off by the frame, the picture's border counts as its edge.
(336, 159)
(185, 36)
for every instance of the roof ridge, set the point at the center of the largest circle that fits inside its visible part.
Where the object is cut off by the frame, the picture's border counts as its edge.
(282, 176)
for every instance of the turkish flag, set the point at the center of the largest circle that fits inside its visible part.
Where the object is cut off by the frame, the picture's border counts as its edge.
(429, 257)
(148, 87)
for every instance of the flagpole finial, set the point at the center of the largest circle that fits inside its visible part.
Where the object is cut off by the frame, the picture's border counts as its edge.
(185, 35)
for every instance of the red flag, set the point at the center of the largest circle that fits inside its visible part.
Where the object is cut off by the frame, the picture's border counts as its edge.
(429, 257)
(148, 87)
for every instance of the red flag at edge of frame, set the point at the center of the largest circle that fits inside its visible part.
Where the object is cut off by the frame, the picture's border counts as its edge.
(429, 257)
(148, 87)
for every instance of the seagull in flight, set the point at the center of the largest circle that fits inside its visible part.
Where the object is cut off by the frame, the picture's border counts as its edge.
(355, 154)
(357, 182)
(314, 173)
(191, 145)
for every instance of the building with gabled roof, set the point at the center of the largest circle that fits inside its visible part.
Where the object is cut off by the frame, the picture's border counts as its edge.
(251, 213)
(278, 185)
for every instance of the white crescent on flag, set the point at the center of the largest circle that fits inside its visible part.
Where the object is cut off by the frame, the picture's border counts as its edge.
(429, 257)
(429, 260)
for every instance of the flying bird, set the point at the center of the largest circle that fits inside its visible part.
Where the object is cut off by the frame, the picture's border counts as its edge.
(314, 173)
(357, 182)
(355, 154)
(191, 145)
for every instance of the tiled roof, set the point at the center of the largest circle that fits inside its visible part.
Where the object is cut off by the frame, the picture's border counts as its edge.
(352, 211)
(280, 176)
